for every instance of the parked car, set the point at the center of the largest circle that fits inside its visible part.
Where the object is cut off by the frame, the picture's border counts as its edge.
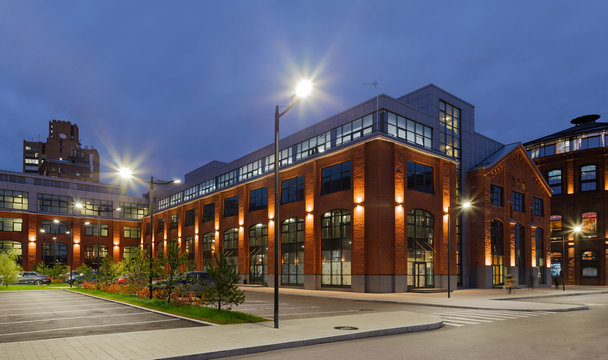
(195, 281)
(81, 277)
(33, 278)
(125, 279)
(68, 277)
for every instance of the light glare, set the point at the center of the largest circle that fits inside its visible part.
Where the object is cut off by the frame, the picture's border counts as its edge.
(304, 88)
(125, 173)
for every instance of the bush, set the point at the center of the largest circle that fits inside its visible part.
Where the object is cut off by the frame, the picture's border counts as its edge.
(9, 269)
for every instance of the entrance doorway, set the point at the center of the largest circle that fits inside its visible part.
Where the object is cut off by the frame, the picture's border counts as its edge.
(420, 275)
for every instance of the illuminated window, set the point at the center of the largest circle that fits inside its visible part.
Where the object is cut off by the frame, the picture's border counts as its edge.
(258, 248)
(208, 240)
(292, 251)
(93, 230)
(95, 207)
(556, 223)
(336, 248)
(554, 178)
(130, 252)
(132, 232)
(174, 221)
(231, 246)
(11, 224)
(497, 246)
(588, 178)
(589, 222)
(11, 199)
(449, 136)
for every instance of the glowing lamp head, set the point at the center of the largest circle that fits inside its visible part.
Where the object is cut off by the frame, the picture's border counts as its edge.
(177, 181)
(304, 88)
(577, 229)
(466, 205)
(78, 205)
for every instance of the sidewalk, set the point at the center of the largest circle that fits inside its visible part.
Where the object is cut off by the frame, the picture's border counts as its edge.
(228, 340)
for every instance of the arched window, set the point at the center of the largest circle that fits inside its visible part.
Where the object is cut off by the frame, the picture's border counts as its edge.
(14, 247)
(231, 245)
(540, 255)
(258, 249)
(335, 248)
(208, 247)
(520, 252)
(292, 251)
(497, 246)
(189, 248)
(420, 235)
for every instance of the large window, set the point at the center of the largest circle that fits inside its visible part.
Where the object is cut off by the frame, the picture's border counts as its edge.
(556, 223)
(588, 178)
(11, 224)
(540, 256)
(132, 232)
(231, 206)
(335, 178)
(231, 246)
(408, 130)
(190, 253)
(292, 251)
(589, 263)
(554, 178)
(537, 207)
(208, 247)
(258, 199)
(420, 248)
(520, 251)
(496, 195)
(190, 218)
(130, 252)
(354, 129)
(518, 201)
(174, 221)
(12, 246)
(419, 177)
(132, 211)
(55, 203)
(589, 220)
(92, 207)
(93, 230)
(208, 212)
(449, 135)
(497, 247)
(54, 253)
(336, 248)
(292, 190)
(52, 227)
(258, 248)
(11, 199)
(93, 256)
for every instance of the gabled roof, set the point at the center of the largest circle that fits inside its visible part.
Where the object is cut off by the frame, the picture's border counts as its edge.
(501, 154)
(582, 125)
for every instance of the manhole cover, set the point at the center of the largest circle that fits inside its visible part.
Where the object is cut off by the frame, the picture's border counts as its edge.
(346, 328)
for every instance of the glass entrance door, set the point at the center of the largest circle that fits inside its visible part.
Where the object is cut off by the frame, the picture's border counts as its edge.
(419, 274)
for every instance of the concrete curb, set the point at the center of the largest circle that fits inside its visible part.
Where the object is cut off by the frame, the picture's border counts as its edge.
(315, 341)
(552, 295)
(146, 309)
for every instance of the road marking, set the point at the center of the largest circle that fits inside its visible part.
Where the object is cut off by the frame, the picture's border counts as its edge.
(88, 326)
(67, 311)
(311, 313)
(56, 306)
(458, 318)
(472, 317)
(72, 318)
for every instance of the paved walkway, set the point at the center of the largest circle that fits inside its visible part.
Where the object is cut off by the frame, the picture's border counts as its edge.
(218, 341)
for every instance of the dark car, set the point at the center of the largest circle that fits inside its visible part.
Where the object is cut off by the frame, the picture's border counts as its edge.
(194, 281)
(81, 278)
(33, 278)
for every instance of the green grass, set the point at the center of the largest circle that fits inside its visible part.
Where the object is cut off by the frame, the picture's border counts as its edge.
(190, 311)
(35, 287)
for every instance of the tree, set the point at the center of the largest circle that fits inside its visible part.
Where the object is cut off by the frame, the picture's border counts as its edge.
(139, 266)
(9, 269)
(109, 271)
(174, 261)
(224, 277)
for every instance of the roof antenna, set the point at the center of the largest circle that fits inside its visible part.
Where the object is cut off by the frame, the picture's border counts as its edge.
(375, 84)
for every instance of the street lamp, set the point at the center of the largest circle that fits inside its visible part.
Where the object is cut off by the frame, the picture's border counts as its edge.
(575, 230)
(128, 174)
(302, 90)
(463, 207)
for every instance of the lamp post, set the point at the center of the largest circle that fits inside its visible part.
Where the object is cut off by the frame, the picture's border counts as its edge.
(128, 174)
(575, 230)
(464, 206)
(303, 89)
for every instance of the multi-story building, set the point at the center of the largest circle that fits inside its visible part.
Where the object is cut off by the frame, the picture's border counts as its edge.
(574, 162)
(369, 201)
(41, 222)
(61, 155)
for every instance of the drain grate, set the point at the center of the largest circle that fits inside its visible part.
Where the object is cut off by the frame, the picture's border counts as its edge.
(346, 328)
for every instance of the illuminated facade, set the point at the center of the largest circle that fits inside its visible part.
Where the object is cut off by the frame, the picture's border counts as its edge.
(363, 199)
(574, 163)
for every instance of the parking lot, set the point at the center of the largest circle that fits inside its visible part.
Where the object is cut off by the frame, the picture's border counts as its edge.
(46, 314)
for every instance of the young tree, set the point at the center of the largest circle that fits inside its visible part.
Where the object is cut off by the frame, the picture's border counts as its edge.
(109, 271)
(174, 261)
(9, 269)
(224, 277)
(139, 266)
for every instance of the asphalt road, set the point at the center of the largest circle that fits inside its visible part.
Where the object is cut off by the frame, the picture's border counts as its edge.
(47, 314)
(481, 335)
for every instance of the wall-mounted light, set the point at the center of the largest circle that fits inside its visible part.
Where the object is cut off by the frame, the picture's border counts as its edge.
(571, 244)
(309, 209)
(32, 238)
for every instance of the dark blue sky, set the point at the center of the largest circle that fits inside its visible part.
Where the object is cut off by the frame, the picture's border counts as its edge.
(171, 85)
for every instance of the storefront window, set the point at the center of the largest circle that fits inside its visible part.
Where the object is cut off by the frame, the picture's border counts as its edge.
(589, 264)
